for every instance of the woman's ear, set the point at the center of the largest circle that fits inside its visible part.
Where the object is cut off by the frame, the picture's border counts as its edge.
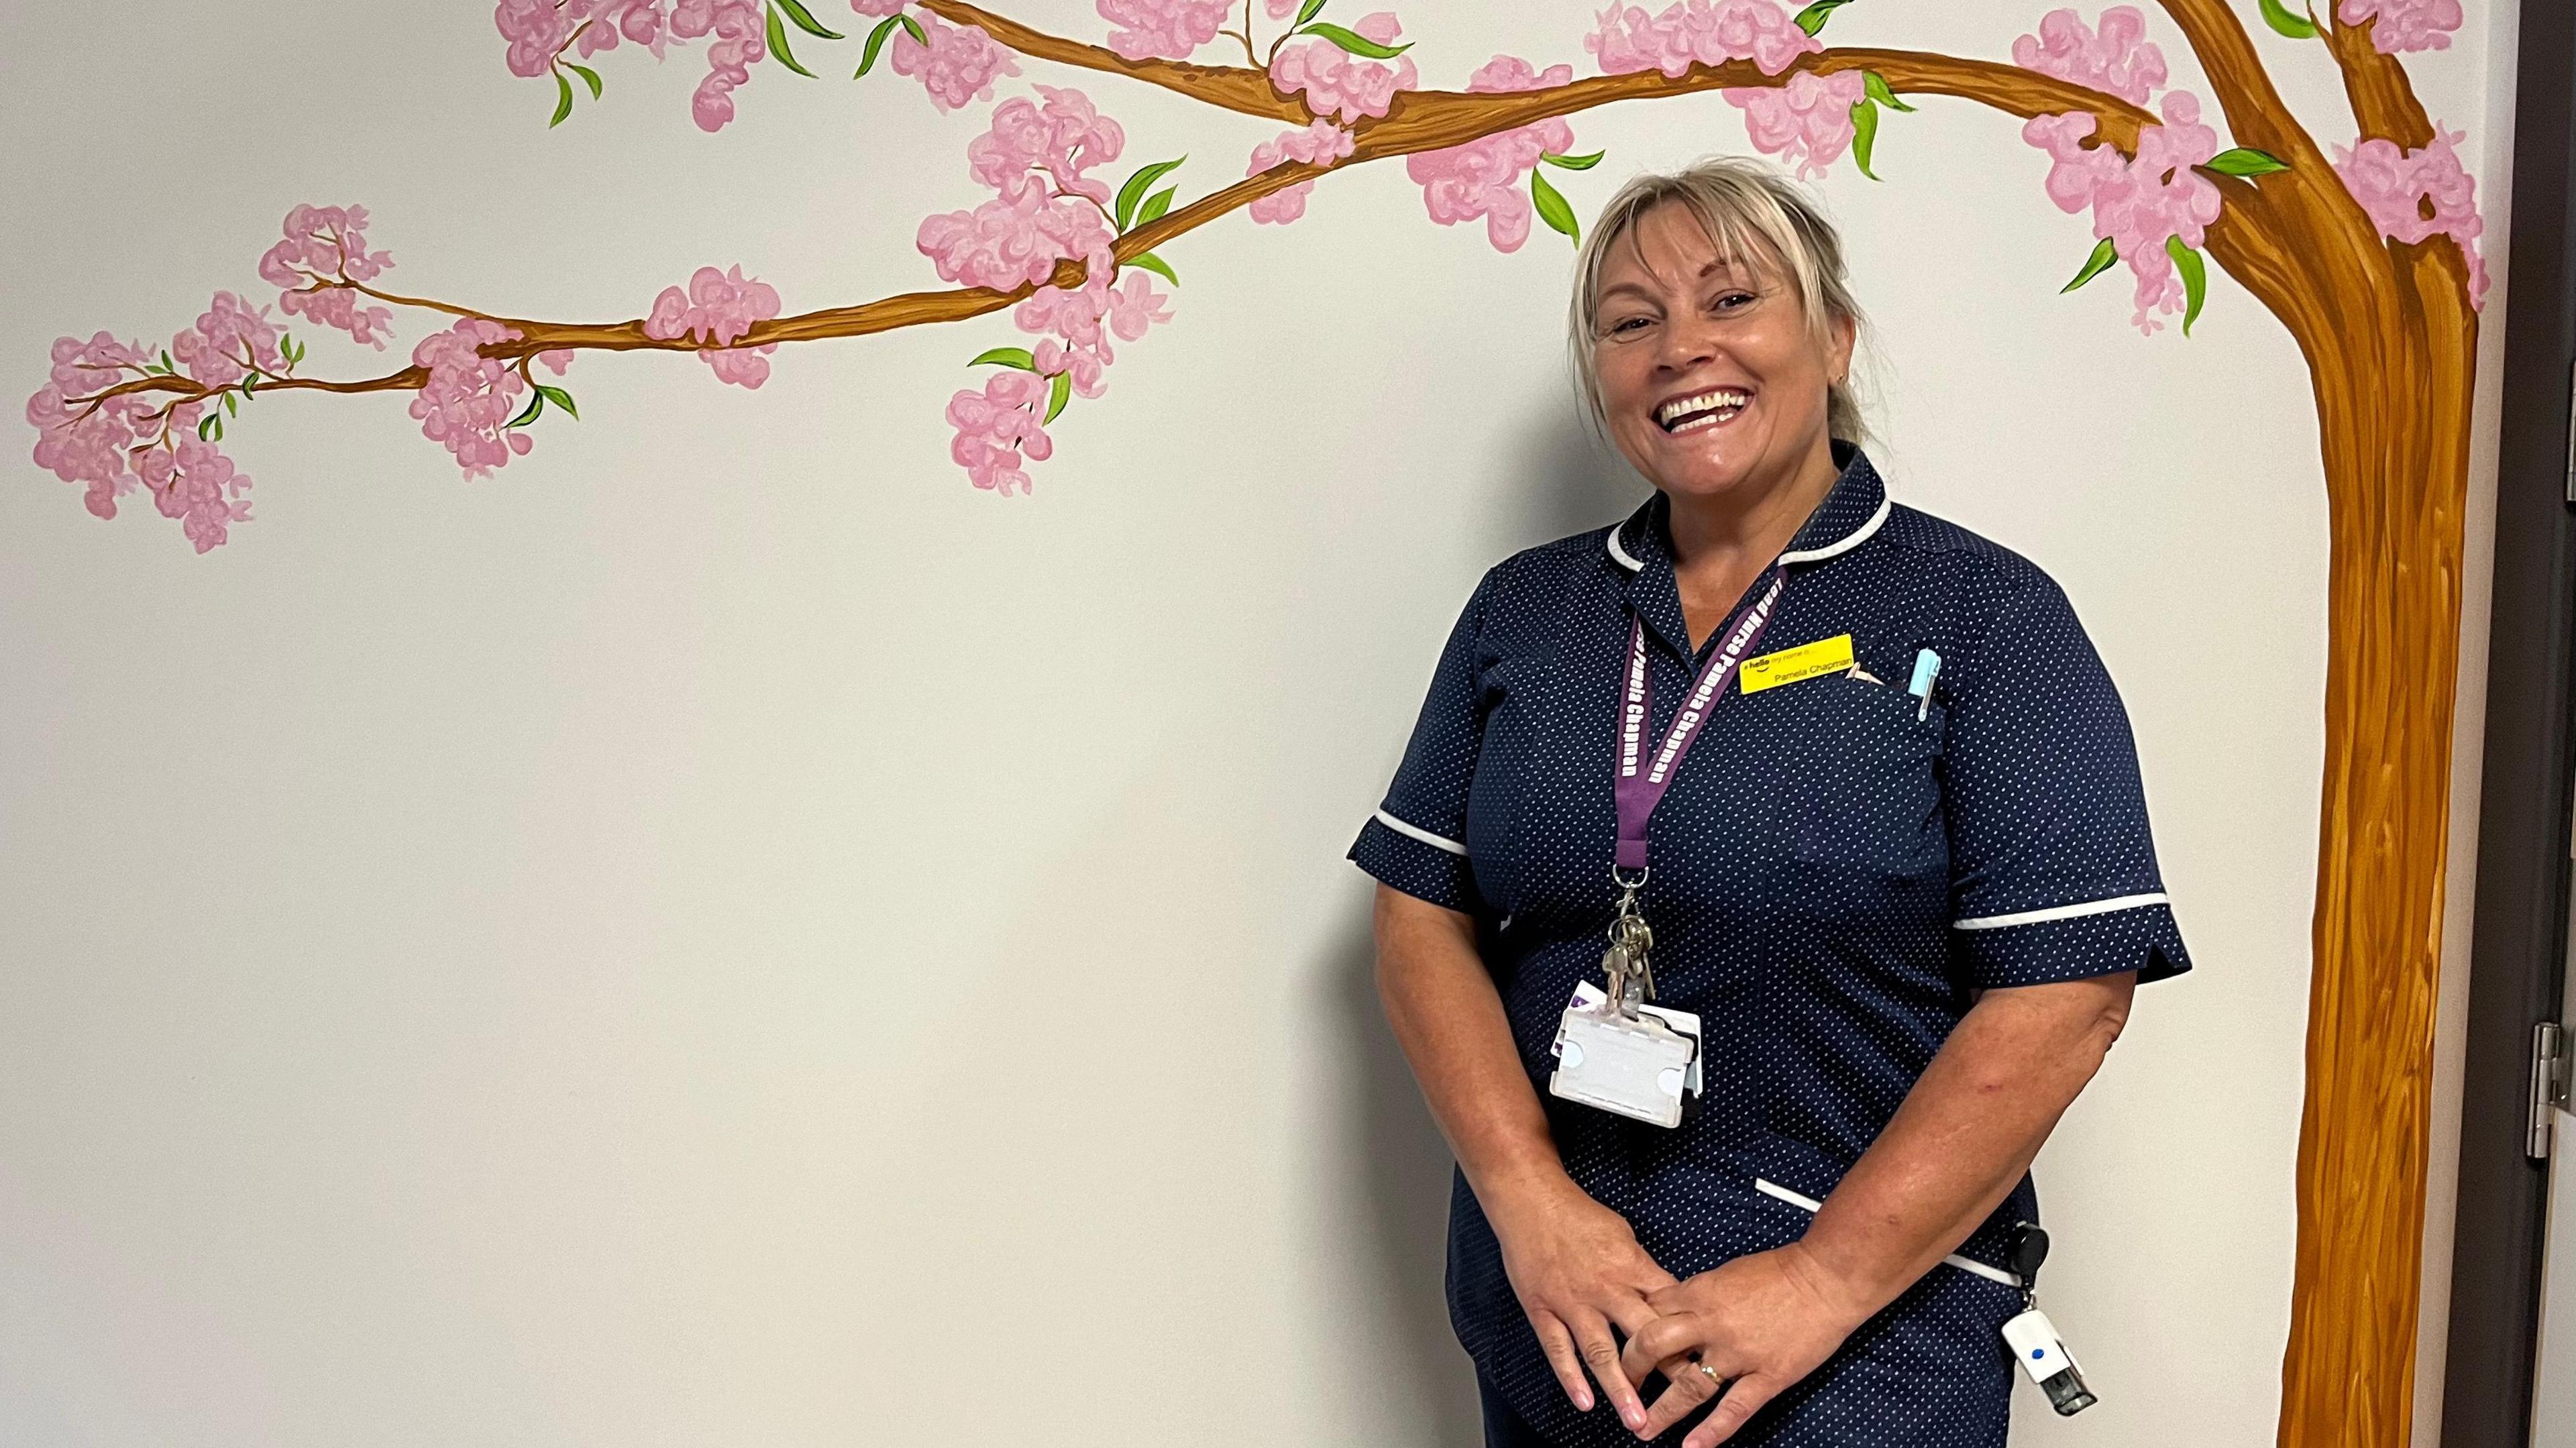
(1844, 335)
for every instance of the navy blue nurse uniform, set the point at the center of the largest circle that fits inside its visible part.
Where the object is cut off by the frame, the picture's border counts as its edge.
(1835, 871)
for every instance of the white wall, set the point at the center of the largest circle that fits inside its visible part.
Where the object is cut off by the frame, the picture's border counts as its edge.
(662, 946)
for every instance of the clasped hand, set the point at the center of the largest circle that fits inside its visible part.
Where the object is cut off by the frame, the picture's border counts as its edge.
(1762, 1322)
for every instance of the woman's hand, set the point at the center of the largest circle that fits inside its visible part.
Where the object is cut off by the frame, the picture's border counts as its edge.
(1763, 1321)
(1578, 1270)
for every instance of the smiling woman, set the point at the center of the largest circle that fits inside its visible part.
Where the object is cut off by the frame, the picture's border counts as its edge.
(1895, 927)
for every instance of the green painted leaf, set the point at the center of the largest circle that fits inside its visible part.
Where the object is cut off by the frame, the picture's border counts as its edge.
(2246, 161)
(1812, 19)
(1864, 113)
(1020, 357)
(1158, 266)
(2195, 280)
(232, 405)
(1573, 163)
(166, 364)
(1552, 208)
(1876, 87)
(2297, 27)
(1356, 43)
(210, 428)
(1059, 392)
(250, 384)
(876, 42)
(1155, 205)
(559, 398)
(805, 20)
(588, 76)
(912, 28)
(778, 45)
(1306, 12)
(528, 414)
(563, 100)
(2104, 253)
(1136, 187)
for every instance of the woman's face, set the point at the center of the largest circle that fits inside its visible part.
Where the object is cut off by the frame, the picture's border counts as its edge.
(1711, 379)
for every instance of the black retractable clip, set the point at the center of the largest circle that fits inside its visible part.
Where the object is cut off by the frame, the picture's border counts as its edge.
(2033, 1338)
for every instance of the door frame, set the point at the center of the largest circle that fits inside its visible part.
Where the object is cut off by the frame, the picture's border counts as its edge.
(2518, 949)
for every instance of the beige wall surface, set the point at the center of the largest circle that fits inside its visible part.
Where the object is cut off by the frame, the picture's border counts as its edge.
(724, 933)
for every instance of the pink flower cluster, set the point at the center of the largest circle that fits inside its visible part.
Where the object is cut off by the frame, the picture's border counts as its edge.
(1082, 319)
(2137, 204)
(1698, 32)
(1482, 178)
(1339, 84)
(1064, 138)
(128, 439)
(1039, 219)
(1319, 144)
(2118, 58)
(1047, 210)
(228, 341)
(469, 399)
(325, 248)
(195, 483)
(718, 308)
(2413, 196)
(539, 31)
(2405, 24)
(959, 64)
(1168, 28)
(1806, 121)
(997, 425)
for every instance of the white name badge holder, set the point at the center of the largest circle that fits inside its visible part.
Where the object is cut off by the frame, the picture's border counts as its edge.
(1616, 1052)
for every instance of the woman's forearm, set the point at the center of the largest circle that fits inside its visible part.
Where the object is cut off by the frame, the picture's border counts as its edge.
(1441, 1002)
(1963, 1138)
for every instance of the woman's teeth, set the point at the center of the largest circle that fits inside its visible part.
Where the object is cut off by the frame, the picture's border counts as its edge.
(1708, 409)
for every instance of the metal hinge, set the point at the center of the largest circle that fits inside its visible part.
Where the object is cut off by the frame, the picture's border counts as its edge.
(2549, 1086)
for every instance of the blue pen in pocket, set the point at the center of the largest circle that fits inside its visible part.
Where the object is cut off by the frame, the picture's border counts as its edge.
(1927, 667)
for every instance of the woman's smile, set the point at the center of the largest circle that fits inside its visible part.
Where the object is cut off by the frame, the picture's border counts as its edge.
(1701, 411)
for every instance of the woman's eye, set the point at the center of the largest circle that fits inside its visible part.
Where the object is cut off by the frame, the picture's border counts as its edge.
(1730, 301)
(1627, 326)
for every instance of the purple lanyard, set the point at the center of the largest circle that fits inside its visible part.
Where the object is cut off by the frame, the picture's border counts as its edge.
(1641, 780)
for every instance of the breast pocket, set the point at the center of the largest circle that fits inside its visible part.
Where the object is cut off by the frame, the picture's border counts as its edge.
(1864, 777)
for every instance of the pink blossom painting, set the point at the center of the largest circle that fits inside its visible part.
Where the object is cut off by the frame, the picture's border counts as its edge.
(2366, 249)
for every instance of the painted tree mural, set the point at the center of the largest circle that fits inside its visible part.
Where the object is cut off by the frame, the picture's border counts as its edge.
(2367, 253)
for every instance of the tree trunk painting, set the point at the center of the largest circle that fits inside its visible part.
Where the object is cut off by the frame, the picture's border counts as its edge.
(2368, 256)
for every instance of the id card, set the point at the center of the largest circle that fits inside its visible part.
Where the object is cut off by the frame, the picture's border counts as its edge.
(1633, 1066)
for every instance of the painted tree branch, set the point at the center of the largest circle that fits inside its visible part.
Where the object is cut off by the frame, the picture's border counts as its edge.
(1418, 121)
(2382, 95)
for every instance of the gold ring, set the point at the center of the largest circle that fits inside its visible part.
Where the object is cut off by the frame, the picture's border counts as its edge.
(1712, 1374)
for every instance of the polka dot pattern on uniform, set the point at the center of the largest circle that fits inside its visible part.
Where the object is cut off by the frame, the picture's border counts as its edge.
(1834, 869)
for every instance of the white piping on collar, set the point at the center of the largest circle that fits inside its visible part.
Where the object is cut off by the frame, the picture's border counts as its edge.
(1619, 555)
(1844, 544)
(1848, 541)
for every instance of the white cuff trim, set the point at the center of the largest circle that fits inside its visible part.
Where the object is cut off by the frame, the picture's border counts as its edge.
(1964, 1264)
(2061, 912)
(1416, 832)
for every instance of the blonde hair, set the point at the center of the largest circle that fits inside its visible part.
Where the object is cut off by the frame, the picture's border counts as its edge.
(1752, 213)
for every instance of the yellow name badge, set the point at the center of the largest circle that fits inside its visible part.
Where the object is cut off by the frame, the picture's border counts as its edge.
(1806, 661)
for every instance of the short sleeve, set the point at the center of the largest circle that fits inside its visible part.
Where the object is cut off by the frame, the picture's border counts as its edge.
(1416, 842)
(2053, 869)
